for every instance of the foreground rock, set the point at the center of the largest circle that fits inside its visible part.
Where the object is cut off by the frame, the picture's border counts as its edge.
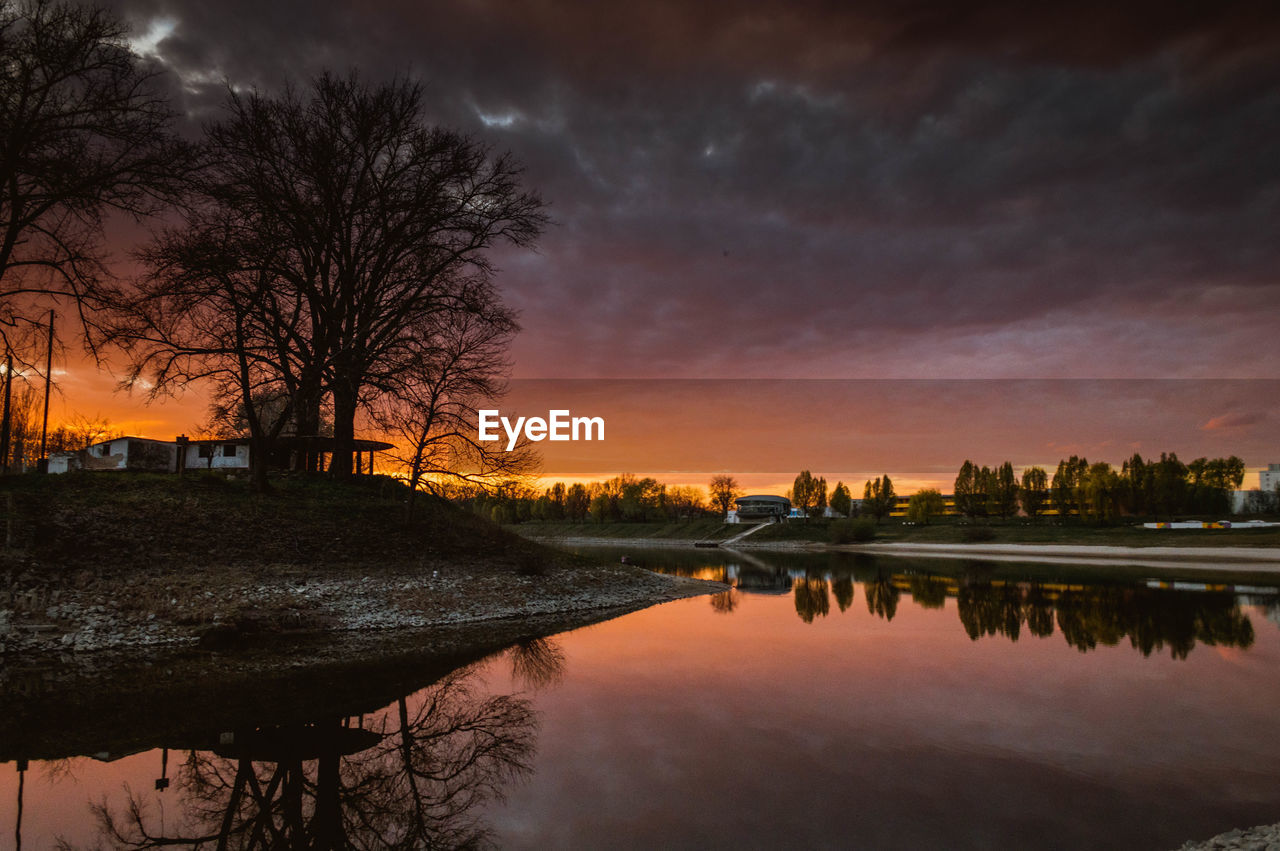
(225, 608)
(1262, 838)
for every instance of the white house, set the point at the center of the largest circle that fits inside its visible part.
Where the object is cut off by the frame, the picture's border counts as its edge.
(214, 454)
(141, 454)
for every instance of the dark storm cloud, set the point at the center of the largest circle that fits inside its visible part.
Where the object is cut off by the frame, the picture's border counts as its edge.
(840, 188)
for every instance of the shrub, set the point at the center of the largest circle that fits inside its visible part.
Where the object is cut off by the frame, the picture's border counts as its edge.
(978, 534)
(852, 531)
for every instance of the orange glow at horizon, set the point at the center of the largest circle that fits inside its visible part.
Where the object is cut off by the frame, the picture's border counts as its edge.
(683, 432)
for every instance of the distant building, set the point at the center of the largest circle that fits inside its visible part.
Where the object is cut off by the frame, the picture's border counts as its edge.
(215, 454)
(1269, 479)
(760, 507)
(139, 454)
(142, 454)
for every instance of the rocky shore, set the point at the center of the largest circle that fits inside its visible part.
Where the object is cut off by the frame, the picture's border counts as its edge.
(1262, 838)
(201, 611)
(96, 563)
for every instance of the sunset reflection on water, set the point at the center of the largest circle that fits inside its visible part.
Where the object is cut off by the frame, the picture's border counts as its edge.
(889, 720)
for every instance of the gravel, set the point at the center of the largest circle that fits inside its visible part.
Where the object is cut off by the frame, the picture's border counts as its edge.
(1263, 838)
(93, 620)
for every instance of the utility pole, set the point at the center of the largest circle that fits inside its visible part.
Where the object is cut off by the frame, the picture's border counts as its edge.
(6, 424)
(48, 377)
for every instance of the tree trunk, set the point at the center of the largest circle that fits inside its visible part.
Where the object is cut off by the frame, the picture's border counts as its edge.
(344, 430)
(307, 424)
(259, 450)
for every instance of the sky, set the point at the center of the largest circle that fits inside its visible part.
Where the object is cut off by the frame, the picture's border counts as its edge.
(832, 190)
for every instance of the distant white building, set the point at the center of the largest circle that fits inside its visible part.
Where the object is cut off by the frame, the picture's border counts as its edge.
(144, 455)
(1264, 499)
(216, 455)
(140, 454)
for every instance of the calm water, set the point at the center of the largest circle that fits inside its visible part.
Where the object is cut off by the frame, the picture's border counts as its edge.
(825, 702)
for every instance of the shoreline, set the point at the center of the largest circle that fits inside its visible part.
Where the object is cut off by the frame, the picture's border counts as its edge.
(1262, 559)
(121, 701)
(97, 620)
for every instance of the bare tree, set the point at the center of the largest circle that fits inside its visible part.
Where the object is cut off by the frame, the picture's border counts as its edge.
(331, 236)
(84, 132)
(453, 365)
(724, 490)
(211, 311)
(81, 431)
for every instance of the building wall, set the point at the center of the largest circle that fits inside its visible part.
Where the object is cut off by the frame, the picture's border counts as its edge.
(1269, 479)
(108, 455)
(219, 460)
(149, 456)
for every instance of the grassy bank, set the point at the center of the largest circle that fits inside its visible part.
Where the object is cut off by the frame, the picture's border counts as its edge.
(705, 529)
(105, 561)
(105, 522)
(945, 531)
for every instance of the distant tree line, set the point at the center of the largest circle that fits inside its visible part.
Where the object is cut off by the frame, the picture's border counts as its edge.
(621, 499)
(1141, 487)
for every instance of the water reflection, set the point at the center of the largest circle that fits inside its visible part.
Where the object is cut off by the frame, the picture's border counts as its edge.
(811, 598)
(1151, 616)
(415, 774)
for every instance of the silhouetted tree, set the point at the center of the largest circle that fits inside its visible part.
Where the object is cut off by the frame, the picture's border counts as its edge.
(878, 497)
(336, 234)
(724, 490)
(1035, 490)
(1169, 484)
(967, 490)
(85, 131)
(841, 500)
(1004, 492)
(454, 366)
(805, 494)
(1066, 480)
(925, 504)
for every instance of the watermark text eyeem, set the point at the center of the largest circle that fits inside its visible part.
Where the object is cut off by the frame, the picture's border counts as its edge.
(559, 425)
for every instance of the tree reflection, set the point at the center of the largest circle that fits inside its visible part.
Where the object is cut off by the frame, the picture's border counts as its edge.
(1151, 619)
(842, 588)
(882, 596)
(811, 598)
(414, 777)
(725, 602)
(536, 663)
(988, 610)
(928, 592)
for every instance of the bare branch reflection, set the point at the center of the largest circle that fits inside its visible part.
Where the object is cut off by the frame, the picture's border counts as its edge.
(414, 776)
(536, 663)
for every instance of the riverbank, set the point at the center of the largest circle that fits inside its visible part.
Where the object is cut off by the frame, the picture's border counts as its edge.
(106, 562)
(942, 531)
(1198, 558)
(1221, 558)
(115, 702)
